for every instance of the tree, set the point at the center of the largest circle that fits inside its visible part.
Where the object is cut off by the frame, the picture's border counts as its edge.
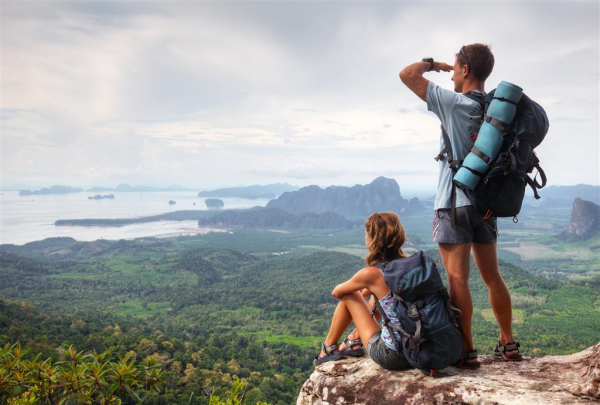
(81, 378)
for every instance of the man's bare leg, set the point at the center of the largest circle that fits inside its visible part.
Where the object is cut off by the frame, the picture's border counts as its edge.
(486, 259)
(456, 260)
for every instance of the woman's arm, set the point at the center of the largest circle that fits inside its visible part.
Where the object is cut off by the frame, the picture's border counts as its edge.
(362, 279)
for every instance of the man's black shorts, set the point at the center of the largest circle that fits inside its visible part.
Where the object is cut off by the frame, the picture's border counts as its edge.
(470, 227)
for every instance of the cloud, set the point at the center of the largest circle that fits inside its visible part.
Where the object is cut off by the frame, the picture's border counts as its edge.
(569, 119)
(317, 169)
(163, 91)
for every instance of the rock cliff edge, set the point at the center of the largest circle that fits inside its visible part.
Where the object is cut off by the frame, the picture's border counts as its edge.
(572, 379)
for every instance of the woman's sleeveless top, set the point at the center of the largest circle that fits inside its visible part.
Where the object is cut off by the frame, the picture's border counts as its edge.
(387, 304)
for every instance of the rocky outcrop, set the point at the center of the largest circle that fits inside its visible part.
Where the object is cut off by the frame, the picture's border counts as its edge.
(573, 379)
(415, 205)
(382, 194)
(585, 220)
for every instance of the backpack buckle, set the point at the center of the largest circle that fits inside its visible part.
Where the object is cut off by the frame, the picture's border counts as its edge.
(413, 312)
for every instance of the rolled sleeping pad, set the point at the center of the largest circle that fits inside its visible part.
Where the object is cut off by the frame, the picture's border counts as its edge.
(489, 139)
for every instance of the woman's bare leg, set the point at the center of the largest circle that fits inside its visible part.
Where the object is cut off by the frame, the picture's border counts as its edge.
(354, 334)
(352, 307)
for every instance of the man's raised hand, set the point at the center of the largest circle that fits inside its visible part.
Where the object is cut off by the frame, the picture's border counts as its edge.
(442, 67)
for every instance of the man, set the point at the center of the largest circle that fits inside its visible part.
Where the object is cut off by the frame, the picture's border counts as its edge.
(468, 232)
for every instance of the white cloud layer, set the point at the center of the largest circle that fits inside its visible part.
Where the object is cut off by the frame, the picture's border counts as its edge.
(216, 94)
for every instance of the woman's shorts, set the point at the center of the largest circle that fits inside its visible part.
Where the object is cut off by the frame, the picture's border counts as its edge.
(384, 356)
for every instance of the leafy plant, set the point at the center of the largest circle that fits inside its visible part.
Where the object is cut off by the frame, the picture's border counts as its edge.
(92, 378)
(235, 396)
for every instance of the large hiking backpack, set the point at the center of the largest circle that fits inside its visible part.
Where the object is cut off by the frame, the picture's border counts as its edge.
(428, 322)
(501, 191)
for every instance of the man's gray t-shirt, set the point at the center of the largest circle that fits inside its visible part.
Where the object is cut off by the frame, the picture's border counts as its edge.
(461, 117)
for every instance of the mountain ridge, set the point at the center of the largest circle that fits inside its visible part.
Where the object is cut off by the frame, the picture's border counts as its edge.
(382, 194)
(251, 192)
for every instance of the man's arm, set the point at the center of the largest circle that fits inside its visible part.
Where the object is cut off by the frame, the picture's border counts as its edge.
(412, 76)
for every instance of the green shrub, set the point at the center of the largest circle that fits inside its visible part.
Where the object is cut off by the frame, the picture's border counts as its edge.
(78, 379)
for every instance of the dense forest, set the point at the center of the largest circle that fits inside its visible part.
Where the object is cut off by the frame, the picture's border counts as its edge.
(251, 306)
(260, 217)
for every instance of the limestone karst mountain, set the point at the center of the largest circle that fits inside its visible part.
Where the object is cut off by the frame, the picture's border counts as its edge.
(382, 194)
(585, 220)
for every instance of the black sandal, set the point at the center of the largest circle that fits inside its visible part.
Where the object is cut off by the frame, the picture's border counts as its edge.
(501, 350)
(330, 355)
(349, 351)
(468, 360)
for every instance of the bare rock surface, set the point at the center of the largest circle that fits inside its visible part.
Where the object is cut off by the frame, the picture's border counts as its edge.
(585, 220)
(572, 379)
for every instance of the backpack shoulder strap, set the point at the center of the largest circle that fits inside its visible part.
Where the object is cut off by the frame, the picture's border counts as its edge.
(454, 167)
(476, 96)
(454, 164)
(533, 183)
(447, 151)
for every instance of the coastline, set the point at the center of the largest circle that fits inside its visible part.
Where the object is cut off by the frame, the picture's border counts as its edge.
(130, 215)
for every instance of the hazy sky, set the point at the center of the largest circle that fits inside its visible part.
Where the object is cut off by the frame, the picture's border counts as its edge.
(233, 93)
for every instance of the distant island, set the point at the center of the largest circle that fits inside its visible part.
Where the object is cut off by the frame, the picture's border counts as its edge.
(52, 190)
(259, 217)
(214, 203)
(382, 194)
(268, 191)
(117, 222)
(102, 197)
(171, 202)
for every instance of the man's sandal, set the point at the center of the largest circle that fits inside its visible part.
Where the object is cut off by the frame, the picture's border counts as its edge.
(501, 350)
(468, 360)
(349, 351)
(329, 354)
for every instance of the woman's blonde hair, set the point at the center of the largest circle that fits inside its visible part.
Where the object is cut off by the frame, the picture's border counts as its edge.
(387, 237)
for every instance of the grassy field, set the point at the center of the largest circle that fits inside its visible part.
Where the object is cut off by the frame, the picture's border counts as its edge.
(488, 315)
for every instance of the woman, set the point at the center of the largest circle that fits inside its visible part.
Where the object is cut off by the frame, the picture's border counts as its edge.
(384, 237)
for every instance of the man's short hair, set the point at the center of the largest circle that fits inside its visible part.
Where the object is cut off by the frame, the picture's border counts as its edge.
(480, 59)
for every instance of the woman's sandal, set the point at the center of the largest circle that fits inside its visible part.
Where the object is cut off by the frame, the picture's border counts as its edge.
(468, 360)
(349, 351)
(501, 350)
(330, 355)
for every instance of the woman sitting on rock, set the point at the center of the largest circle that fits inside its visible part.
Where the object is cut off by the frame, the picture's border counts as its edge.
(384, 237)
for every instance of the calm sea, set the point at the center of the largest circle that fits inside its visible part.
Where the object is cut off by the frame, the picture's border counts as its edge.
(29, 218)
